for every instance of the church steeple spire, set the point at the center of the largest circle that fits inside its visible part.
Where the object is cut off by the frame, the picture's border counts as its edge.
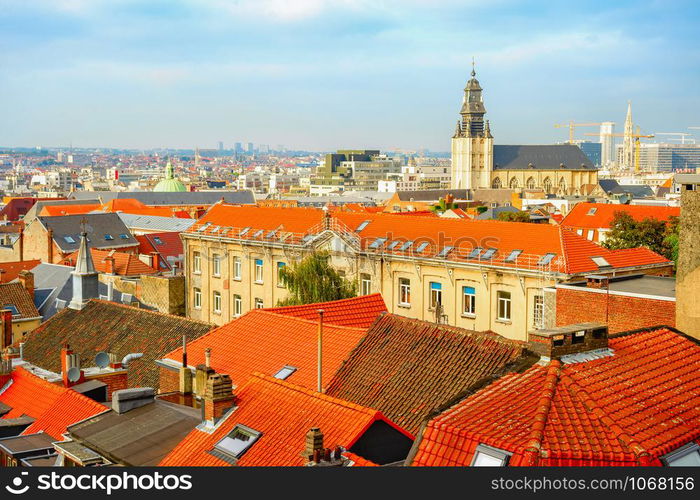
(85, 279)
(473, 109)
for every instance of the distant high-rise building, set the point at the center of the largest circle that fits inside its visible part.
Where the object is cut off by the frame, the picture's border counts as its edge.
(607, 144)
(250, 149)
(592, 150)
(238, 147)
(221, 146)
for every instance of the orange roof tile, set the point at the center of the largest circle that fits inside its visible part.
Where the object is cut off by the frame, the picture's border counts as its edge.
(358, 461)
(629, 408)
(283, 413)
(15, 294)
(358, 312)
(125, 264)
(57, 210)
(10, 270)
(583, 215)
(262, 341)
(136, 207)
(54, 407)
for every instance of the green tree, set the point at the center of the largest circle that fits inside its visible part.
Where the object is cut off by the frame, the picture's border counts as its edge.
(518, 216)
(442, 206)
(313, 279)
(657, 235)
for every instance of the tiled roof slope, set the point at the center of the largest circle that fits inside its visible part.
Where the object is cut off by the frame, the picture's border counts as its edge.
(125, 264)
(106, 326)
(573, 252)
(10, 270)
(262, 341)
(17, 295)
(359, 312)
(53, 406)
(604, 212)
(408, 368)
(58, 210)
(283, 413)
(98, 226)
(626, 409)
(167, 244)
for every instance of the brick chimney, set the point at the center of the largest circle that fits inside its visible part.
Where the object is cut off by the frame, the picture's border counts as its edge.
(49, 245)
(68, 361)
(109, 263)
(185, 375)
(202, 374)
(597, 281)
(218, 396)
(5, 371)
(313, 448)
(21, 244)
(155, 260)
(449, 199)
(571, 339)
(26, 278)
(6, 328)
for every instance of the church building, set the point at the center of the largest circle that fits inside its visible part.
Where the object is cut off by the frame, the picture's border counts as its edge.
(561, 169)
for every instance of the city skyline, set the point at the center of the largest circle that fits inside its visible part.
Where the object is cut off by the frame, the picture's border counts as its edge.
(321, 75)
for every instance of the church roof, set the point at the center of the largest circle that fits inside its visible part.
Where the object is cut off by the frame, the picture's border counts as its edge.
(546, 157)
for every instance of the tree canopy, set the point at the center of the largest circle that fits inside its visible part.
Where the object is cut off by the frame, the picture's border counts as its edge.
(519, 216)
(657, 235)
(313, 279)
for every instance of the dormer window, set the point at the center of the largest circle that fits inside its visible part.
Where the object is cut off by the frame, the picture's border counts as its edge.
(487, 456)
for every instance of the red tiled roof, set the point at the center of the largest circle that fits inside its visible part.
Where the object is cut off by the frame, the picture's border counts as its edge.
(10, 270)
(573, 251)
(15, 294)
(262, 341)
(167, 244)
(57, 210)
(359, 312)
(604, 212)
(358, 461)
(283, 413)
(125, 264)
(136, 207)
(54, 407)
(408, 368)
(626, 409)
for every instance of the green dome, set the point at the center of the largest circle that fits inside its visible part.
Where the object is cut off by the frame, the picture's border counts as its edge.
(170, 183)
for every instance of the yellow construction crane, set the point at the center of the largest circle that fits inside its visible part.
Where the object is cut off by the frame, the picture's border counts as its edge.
(637, 144)
(572, 126)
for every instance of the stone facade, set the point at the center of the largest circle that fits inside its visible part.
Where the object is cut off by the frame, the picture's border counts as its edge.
(165, 293)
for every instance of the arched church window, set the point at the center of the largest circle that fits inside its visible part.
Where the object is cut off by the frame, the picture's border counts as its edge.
(547, 185)
(513, 184)
(530, 183)
(562, 185)
(496, 184)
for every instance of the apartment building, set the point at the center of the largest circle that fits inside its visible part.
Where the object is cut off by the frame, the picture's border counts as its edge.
(480, 275)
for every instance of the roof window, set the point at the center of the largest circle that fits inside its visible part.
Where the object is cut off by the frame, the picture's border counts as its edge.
(487, 456)
(124, 236)
(406, 246)
(422, 247)
(443, 253)
(157, 240)
(474, 253)
(513, 255)
(546, 259)
(285, 371)
(12, 308)
(69, 239)
(393, 244)
(109, 237)
(377, 243)
(685, 456)
(488, 254)
(592, 211)
(600, 262)
(362, 225)
(244, 231)
(238, 441)
(258, 233)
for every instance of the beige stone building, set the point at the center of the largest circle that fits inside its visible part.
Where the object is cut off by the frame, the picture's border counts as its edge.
(483, 275)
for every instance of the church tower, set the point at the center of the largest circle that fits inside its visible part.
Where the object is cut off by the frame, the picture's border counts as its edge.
(472, 142)
(628, 140)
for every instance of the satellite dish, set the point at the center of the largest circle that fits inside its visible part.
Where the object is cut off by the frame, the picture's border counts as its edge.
(102, 359)
(74, 374)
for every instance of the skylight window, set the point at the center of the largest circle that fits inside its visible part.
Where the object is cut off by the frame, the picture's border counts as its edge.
(285, 372)
(12, 308)
(244, 231)
(124, 236)
(406, 246)
(592, 211)
(109, 237)
(362, 226)
(393, 244)
(377, 243)
(271, 234)
(687, 455)
(307, 238)
(258, 233)
(238, 441)
(486, 456)
(546, 259)
(513, 255)
(600, 262)
(474, 253)
(69, 239)
(215, 229)
(157, 240)
(204, 227)
(422, 247)
(488, 254)
(443, 253)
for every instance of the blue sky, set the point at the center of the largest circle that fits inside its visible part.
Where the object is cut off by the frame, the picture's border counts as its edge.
(328, 74)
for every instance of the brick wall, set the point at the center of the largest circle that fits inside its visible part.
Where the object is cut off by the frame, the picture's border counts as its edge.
(165, 293)
(623, 312)
(115, 382)
(169, 380)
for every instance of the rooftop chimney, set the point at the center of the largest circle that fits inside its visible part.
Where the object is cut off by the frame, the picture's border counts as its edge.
(202, 374)
(314, 444)
(597, 281)
(6, 328)
(49, 245)
(155, 261)
(26, 278)
(125, 400)
(109, 265)
(570, 339)
(218, 397)
(185, 385)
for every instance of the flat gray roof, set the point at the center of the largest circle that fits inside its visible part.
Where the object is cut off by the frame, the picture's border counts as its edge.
(641, 284)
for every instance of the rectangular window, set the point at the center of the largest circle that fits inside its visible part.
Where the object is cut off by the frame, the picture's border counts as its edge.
(404, 291)
(258, 303)
(280, 267)
(435, 294)
(196, 262)
(285, 372)
(237, 268)
(590, 234)
(486, 456)
(237, 305)
(686, 456)
(365, 284)
(468, 300)
(197, 298)
(504, 306)
(217, 302)
(258, 270)
(538, 312)
(216, 265)
(109, 237)
(238, 441)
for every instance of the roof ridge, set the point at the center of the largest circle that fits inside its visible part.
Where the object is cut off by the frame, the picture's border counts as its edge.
(544, 404)
(337, 301)
(594, 409)
(297, 318)
(125, 306)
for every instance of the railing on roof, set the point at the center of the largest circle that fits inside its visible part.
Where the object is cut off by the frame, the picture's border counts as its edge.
(385, 246)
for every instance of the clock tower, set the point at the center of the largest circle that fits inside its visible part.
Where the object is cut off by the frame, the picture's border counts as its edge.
(472, 142)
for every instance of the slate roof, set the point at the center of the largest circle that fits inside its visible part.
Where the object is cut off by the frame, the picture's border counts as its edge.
(507, 157)
(433, 194)
(141, 436)
(10, 270)
(600, 215)
(52, 406)
(97, 227)
(155, 223)
(262, 341)
(125, 264)
(359, 312)
(106, 326)
(408, 368)
(15, 294)
(629, 408)
(283, 413)
(199, 198)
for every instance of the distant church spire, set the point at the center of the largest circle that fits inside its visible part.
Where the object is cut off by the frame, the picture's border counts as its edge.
(473, 67)
(628, 139)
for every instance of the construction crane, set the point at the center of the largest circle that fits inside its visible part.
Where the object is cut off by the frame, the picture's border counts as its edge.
(637, 144)
(572, 126)
(681, 136)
